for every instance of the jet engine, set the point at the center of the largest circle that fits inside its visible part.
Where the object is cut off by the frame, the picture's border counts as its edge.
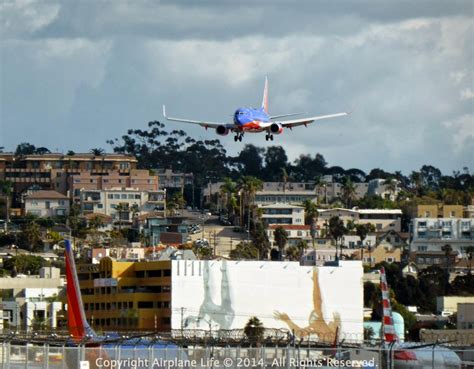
(276, 128)
(222, 130)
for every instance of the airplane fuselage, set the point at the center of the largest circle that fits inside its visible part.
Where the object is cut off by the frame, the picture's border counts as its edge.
(251, 120)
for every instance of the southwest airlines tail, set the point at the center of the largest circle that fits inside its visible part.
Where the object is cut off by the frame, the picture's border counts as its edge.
(265, 96)
(77, 323)
(388, 328)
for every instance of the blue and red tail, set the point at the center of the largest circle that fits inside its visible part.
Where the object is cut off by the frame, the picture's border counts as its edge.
(265, 97)
(77, 323)
(388, 327)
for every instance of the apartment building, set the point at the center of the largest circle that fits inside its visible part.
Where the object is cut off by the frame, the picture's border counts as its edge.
(51, 171)
(122, 203)
(135, 178)
(280, 213)
(167, 178)
(46, 204)
(431, 235)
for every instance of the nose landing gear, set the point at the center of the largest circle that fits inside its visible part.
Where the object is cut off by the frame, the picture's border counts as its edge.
(238, 137)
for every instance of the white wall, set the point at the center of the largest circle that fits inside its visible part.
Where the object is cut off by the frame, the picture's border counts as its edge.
(226, 294)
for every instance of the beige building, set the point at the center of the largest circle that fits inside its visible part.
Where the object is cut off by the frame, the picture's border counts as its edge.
(451, 303)
(378, 254)
(46, 204)
(440, 211)
(465, 316)
(382, 219)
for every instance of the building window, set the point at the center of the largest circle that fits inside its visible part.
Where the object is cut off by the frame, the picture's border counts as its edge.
(390, 259)
(110, 196)
(422, 248)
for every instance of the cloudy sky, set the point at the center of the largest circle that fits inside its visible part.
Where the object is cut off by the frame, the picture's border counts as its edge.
(76, 73)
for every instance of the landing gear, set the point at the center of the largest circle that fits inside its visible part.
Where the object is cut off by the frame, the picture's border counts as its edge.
(238, 137)
(269, 137)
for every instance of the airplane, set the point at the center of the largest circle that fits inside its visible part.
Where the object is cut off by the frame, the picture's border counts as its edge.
(412, 355)
(255, 120)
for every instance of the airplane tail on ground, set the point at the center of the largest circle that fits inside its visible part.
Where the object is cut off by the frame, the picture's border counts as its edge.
(77, 323)
(388, 327)
(265, 96)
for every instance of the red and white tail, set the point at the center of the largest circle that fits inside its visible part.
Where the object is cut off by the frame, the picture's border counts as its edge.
(77, 323)
(388, 327)
(265, 96)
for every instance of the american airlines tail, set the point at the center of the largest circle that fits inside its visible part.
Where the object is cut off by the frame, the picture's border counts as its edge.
(77, 323)
(265, 96)
(388, 327)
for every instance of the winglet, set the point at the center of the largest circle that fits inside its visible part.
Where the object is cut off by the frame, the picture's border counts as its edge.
(265, 96)
(164, 111)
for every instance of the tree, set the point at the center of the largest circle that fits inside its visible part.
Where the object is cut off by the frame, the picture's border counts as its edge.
(336, 230)
(122, 209)
(6, 189)
(97, 151)
(260, 240)
(248, 186)
(362, 230)
(311, 218)
(275, 161)
(25, 148)
(25, 264)
(281, 237)
(254, 330)
(31, 235)
(348, 192)
(227, 192)
(244, 251)
(470, 253)
(250, 160)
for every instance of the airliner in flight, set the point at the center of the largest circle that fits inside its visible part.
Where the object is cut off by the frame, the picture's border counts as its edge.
(255, 120)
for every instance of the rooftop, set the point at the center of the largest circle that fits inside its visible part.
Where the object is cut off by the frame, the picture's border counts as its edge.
(44, 194)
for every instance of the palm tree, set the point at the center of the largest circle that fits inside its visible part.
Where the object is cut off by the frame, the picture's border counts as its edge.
(227, 192)
(6, 188)
(320, 182)
(248, 187)
(96, 222)
(254, 330)
(470, 252)
(284, 176)
(32, 234)
(311, 218)
(447, 253)
(362, 230)
(348, 192)
(121, 209)
(97, 151)
(281, 237)
(336, 230)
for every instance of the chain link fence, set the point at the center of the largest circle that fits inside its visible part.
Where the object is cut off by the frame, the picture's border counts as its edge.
(160, 356)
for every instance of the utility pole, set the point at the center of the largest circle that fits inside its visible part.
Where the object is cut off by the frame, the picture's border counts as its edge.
(182, 320)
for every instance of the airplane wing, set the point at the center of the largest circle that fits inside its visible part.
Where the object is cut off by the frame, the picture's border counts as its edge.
(304, 121)
(202, 123)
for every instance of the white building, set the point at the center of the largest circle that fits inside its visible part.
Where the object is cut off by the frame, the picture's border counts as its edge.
(108, 201)
(31, 300)
(431, 234)
(46, 204)
(296, 233)
(282, 214)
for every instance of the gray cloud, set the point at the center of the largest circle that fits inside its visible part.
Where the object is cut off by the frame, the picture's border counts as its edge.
(78, 73)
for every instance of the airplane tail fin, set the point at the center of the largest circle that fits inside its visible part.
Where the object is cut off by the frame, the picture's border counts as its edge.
(388, 327)
(77, 323)
(265, 96)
